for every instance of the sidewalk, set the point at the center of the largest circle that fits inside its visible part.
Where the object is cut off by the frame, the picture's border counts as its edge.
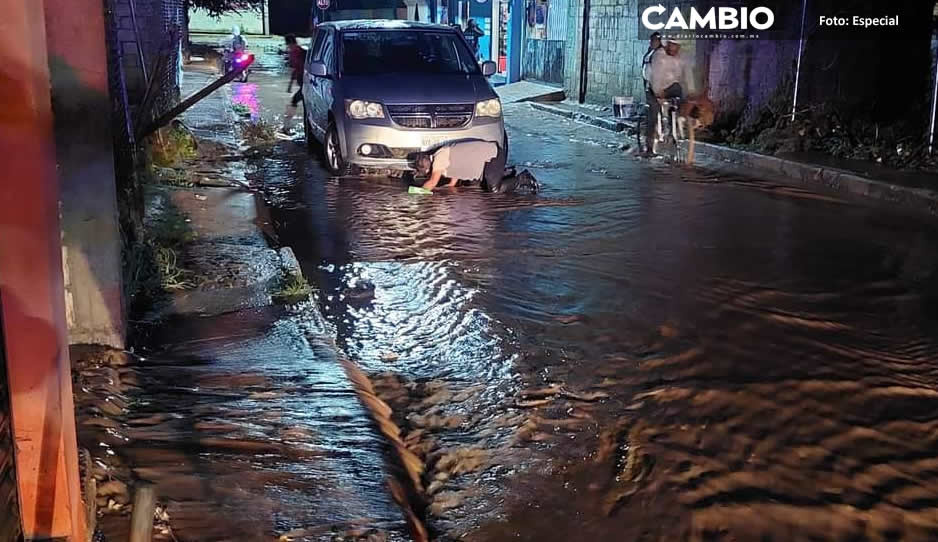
(239, 414)
(593, 114)
(916, 191)
(528, 91)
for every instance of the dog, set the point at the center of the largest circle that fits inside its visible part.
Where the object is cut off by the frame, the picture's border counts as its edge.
(693, 114)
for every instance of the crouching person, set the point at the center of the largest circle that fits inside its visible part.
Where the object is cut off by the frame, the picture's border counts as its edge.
(469, 161)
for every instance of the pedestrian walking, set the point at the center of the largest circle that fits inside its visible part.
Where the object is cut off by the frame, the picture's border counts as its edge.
(297, 61)
(473, 33)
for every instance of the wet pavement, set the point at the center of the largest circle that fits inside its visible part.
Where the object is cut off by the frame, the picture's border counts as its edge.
(236, 410)
(637, 352)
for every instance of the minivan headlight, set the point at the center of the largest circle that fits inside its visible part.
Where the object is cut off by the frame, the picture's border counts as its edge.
(489, 108)
(360, 109)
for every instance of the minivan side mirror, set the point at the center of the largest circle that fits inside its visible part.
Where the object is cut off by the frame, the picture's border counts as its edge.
(318, 69)
(489, 68)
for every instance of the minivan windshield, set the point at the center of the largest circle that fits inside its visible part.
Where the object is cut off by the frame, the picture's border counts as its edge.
(376, 52)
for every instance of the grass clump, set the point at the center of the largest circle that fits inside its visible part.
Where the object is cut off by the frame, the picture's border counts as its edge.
(172, 277)
(156, 261)
(170, 177)
(173, 145)
(258, 132)
(293, 288)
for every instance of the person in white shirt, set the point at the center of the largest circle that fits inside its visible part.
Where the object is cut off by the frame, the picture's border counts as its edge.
(671, 77)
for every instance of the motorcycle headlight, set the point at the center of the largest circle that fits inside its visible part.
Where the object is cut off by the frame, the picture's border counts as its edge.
(489, 108)
(360, 109)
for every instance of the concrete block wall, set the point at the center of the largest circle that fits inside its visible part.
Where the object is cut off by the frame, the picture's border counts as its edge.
(615, 49)
(615, 53)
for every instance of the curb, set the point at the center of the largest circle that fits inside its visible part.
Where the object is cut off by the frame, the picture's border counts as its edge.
(600, 122)
(838, 180)
(288, 262)
(844, 182)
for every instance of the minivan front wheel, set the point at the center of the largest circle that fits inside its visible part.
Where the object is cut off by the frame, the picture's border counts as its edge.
(332, 152)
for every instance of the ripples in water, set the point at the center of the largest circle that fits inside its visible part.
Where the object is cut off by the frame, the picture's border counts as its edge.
(765, 349)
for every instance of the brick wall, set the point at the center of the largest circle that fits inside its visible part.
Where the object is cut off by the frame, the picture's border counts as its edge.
(157, 22)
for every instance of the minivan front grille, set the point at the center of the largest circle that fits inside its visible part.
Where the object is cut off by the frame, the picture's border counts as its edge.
(413, 121)
(443, 117)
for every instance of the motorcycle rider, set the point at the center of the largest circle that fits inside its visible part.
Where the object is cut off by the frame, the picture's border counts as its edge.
(235, 46)
(237, 43)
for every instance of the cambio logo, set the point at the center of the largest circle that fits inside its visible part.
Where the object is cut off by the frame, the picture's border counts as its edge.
(722, 18)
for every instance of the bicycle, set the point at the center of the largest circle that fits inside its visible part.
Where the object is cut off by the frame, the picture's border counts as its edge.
(672, 130)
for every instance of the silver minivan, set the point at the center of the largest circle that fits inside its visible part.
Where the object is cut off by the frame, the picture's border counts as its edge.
(377, 91)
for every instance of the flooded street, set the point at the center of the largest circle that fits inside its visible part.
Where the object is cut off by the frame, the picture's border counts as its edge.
(637, 352)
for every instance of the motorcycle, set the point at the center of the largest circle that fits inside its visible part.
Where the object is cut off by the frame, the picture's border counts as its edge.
(237, 60)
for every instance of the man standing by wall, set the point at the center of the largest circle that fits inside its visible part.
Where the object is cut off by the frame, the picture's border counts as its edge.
(473, 33)
(654, 44)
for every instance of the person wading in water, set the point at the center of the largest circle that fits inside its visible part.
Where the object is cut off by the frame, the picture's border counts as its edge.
(469, 161)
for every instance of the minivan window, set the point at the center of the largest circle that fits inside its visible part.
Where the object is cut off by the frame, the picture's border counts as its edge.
(315, 51)
(378, 52)
(328, 53)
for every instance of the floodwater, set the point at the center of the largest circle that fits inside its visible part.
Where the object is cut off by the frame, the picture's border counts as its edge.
(638, 352)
